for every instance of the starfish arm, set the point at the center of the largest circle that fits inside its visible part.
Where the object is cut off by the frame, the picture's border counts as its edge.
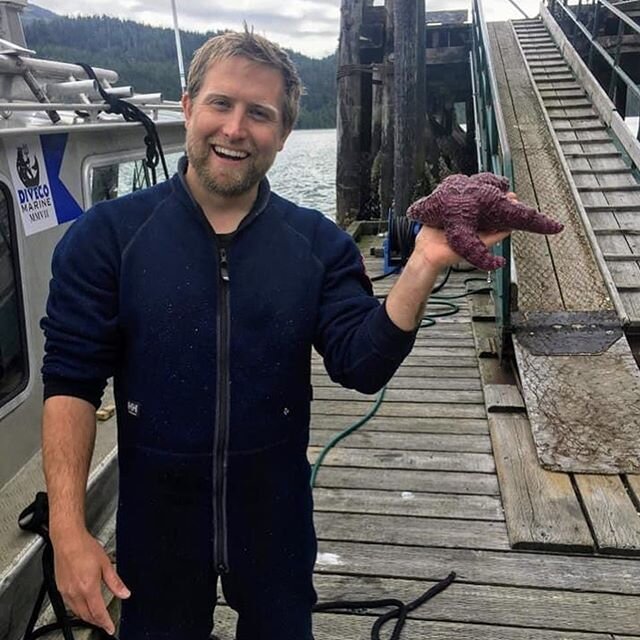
(485, 178)
(464, 240)
(516, 215)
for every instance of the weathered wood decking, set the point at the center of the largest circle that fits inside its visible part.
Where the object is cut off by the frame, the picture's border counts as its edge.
(414, 494)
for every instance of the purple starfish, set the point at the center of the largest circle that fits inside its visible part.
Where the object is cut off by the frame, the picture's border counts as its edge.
(462, 206)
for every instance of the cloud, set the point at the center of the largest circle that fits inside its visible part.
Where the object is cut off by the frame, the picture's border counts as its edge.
(309, 26)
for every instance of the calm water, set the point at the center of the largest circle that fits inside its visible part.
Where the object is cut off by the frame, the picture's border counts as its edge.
(304, 171)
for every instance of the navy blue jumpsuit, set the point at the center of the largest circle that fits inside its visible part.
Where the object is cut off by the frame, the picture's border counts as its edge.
(209, 347)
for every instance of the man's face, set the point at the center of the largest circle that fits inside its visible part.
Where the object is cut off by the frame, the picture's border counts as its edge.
(234, 125)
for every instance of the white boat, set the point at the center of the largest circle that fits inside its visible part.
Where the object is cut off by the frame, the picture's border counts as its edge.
(60, 153)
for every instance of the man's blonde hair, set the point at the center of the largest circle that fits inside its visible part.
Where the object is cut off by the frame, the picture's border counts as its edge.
(253, 47)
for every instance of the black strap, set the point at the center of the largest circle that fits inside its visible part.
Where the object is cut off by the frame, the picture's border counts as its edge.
(131, 113)
(35, 518)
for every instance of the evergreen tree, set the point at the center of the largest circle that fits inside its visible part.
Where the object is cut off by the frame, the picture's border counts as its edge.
(145, 58)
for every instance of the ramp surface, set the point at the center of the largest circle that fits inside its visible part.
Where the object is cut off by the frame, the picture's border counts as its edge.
(583, 409)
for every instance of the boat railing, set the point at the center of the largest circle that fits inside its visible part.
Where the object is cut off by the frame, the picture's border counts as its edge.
(49, 86)
(494, 153)
(583, 19)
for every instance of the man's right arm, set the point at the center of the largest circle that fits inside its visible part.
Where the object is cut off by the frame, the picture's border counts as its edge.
(68, 436)
(81, 564)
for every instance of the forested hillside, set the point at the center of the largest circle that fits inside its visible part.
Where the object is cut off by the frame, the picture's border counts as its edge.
(145, 57)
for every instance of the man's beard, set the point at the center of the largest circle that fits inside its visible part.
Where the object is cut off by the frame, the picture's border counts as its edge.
(234, 183)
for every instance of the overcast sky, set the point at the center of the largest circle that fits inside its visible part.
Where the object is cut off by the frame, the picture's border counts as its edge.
(308, 26)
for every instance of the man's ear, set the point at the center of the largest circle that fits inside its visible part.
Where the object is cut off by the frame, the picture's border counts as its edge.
(187, 106)
(283, 139)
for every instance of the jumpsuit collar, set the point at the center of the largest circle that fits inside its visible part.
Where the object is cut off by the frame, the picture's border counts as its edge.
(260, 204)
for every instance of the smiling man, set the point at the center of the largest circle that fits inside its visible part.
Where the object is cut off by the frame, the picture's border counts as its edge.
(238, 117)
(203, 299)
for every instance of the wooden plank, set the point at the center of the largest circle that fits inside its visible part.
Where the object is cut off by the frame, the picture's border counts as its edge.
(328, 626)
(552, 194)
(582, 288)
(453, 482)
(410, 370)
(482, 308)
(459, 16)
(552, 64)
(405, 530)
(566, 103)
(571, 434)
(503, 398)
(531, 252)
(541, 508)
(407, 409)
(626, 188)
(431, 505)
(444, 352)
(459, 426)
(569, 117)
(624, 274)
(408, 382)
(401, 395)
(633, 482)
(622, 257)
(601, 142)
(437, 337)
(522, 569)
(365, 439)
(596, 172)
(616, 231)
(495, 373)
(524, 609)
(613, 516)
(623, 208)
(437, 362)
(587, 127)
(418, 460)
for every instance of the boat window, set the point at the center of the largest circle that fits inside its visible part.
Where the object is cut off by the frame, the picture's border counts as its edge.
(120, 178)
(13, 352)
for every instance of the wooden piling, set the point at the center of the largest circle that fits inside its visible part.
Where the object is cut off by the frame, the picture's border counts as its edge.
(376, 111)
(409, 78)
(388, 117)
(349, 117)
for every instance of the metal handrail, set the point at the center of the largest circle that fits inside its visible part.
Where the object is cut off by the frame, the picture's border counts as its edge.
(555, 6)
(494, 153)
(621, 15)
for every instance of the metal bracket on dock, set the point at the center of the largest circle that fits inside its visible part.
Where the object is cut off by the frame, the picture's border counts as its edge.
(565, 333)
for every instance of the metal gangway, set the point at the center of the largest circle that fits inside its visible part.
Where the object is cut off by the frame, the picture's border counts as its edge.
(557, 112)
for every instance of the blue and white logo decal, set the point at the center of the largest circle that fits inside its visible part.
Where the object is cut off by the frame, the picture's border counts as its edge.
(43, 200)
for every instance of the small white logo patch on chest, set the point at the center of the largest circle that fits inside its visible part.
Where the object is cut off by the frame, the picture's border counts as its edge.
(133, 408)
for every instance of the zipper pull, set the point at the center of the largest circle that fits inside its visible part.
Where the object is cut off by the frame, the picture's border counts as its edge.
(224, 265)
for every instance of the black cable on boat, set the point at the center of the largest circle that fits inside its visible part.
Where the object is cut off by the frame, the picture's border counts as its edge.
(131, 113)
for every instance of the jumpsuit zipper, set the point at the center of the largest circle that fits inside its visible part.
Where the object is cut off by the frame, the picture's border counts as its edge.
(221, 434)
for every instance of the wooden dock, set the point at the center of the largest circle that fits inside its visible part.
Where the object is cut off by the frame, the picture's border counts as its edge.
(414, 494)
